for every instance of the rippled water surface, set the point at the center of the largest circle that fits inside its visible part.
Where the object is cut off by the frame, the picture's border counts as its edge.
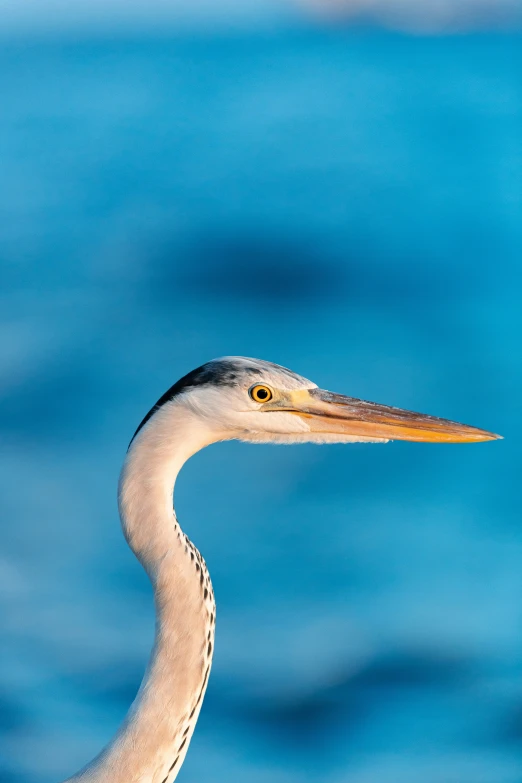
(347, 204)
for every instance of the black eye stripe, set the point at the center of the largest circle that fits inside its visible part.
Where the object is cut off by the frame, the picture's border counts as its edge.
(219, 373)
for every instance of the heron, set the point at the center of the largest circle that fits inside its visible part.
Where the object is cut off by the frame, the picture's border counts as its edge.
(232, 398)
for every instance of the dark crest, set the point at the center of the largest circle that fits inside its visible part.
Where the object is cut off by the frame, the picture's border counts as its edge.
(217, 373)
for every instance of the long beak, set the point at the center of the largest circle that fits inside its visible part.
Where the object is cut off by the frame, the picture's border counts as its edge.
(335, 414)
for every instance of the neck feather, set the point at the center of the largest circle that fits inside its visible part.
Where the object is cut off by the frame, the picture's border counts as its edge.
(152, 742)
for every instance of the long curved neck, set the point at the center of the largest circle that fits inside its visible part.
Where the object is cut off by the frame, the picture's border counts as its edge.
(151, 744)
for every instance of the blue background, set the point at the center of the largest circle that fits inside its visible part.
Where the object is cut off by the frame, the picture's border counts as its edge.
(345, 202)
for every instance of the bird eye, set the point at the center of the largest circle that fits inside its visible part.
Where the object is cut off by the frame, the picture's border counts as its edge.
(260, 393)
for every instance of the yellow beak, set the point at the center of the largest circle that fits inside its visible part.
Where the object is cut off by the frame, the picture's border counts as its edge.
(335, 414)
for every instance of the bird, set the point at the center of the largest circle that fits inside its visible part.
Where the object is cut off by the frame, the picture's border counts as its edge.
(231, 398)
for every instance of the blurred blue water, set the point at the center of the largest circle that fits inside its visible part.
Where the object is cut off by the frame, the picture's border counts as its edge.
(347, 204)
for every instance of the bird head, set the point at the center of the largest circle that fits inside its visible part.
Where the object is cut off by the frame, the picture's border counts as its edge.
(257, 401)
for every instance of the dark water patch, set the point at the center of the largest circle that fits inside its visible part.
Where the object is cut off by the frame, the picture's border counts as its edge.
(59, 403)
(508, 730)
(309, 718)
(267, 268)
(407, 670)
(350, 699)
(116, 684)
(12, 715)
(255, 268)
(8, 775)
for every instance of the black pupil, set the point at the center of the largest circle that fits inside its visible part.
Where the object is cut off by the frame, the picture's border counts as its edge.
(262, 394)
